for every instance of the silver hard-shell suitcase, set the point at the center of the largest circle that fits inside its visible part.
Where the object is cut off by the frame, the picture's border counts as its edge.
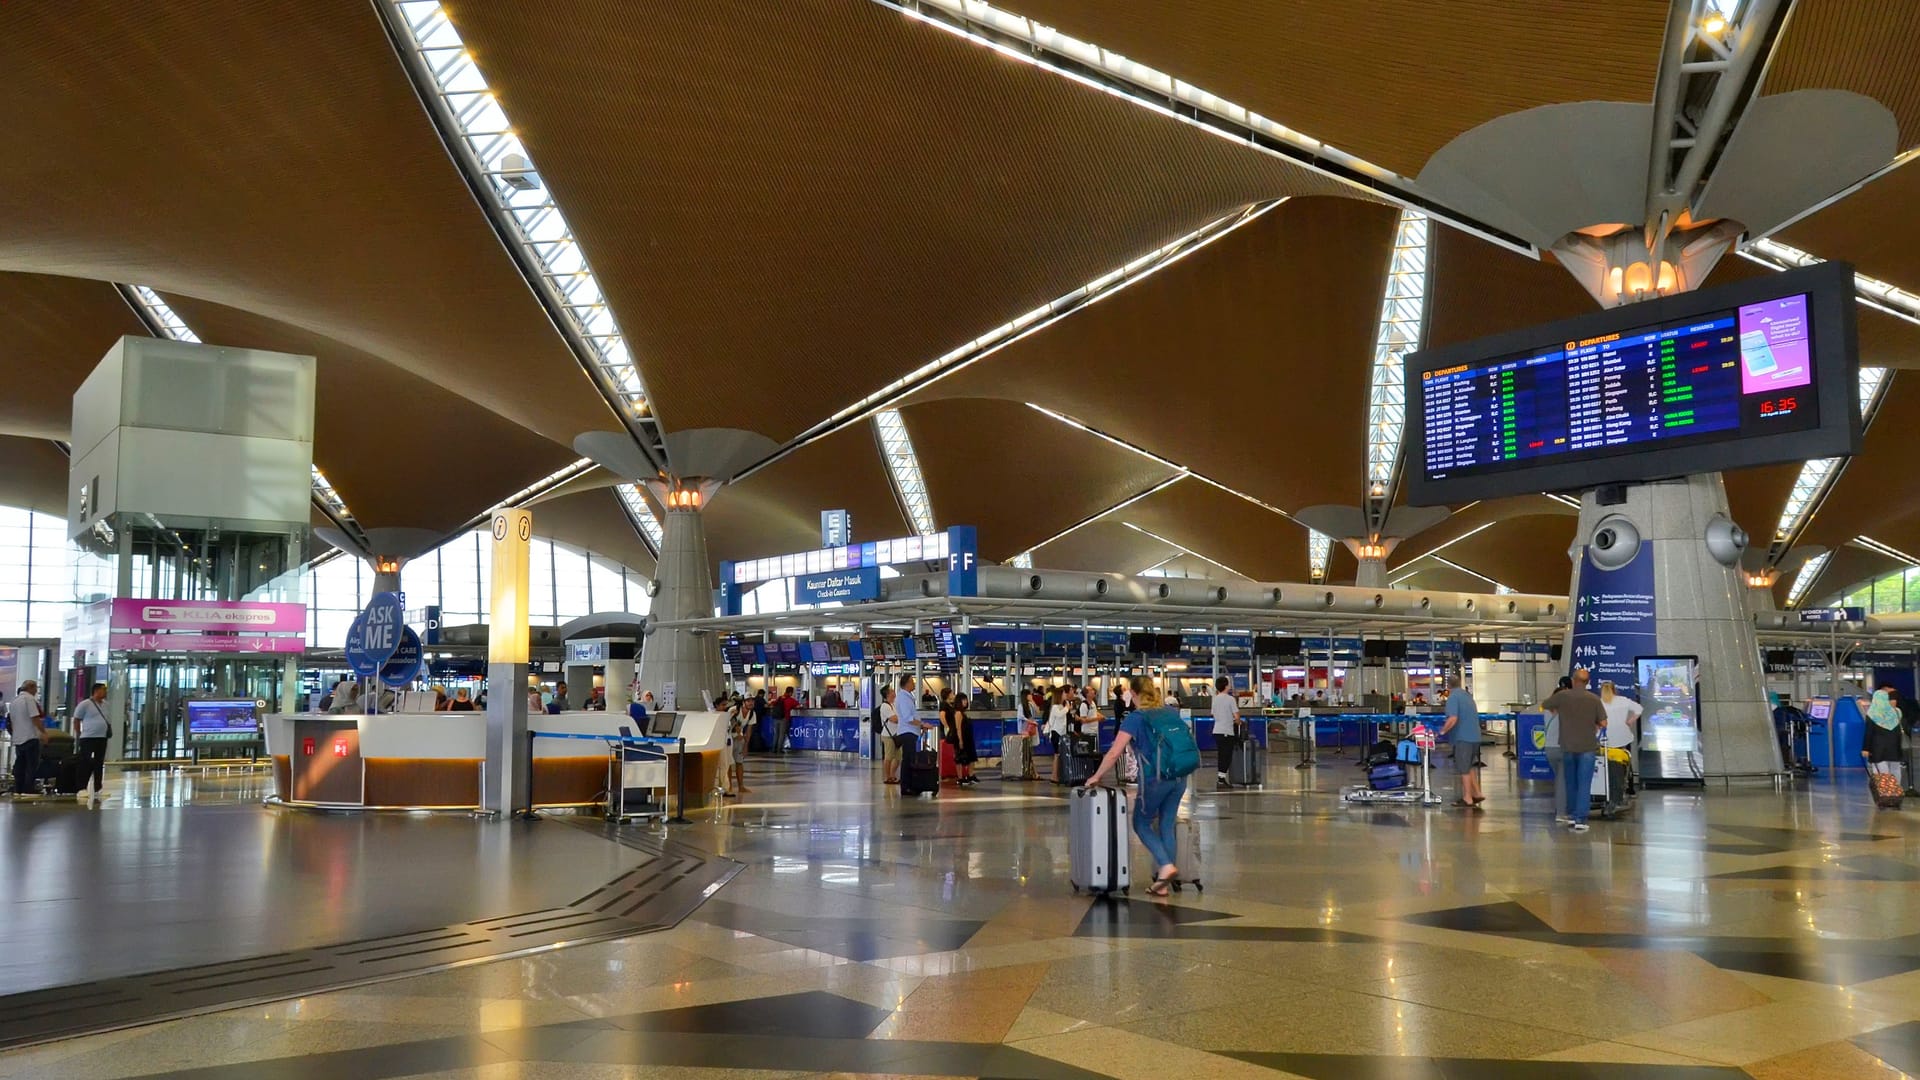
(1097, 851)
(1016, 757)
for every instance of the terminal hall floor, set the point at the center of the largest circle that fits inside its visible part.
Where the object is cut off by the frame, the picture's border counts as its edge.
(1750, 933)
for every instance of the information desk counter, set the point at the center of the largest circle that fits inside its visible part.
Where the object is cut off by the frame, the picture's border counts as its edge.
(437, 761)
(418, 761)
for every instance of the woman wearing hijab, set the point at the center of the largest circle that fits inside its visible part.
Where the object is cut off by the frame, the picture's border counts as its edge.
(1881, 746)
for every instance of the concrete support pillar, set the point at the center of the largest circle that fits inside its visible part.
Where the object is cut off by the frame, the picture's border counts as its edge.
(1372, 573)
(619, 675)
(506, 779)
(689, 662)
(1700, 609)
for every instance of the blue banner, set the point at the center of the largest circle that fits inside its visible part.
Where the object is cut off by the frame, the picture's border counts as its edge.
(1530, 741)
(1613, 619)
(837, 586)
(963, 561)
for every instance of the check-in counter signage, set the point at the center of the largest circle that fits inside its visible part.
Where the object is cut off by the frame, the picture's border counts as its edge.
(838, 586)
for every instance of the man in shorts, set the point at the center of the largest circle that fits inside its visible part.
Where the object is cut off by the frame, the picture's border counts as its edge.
(1463, 727)
(889, 738)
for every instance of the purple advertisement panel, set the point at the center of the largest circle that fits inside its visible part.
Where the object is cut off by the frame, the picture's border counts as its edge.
(193, 642)
(233, 616)
(1775, 351)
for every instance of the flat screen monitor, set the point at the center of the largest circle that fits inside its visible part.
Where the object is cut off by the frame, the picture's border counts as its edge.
(818, 652)
(1754, 373)
(222, 718)
(1820, 709)
(660, 724)
(946, 647)
(1669, 689)
(1480, 650)
(1168, 644)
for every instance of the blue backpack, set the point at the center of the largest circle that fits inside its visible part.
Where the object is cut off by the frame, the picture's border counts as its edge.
(1175, 754)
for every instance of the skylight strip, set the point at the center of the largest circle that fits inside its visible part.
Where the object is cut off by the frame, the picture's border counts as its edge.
(903, 469)
(1803, 581)
(1030, 42)
(1186, 550)
(502, 172)
(1151, 456)
(965, 356)
(1179, 475)
(1319, 553)
(642, 514)
(1498, 587)
(161, 316)
(1024, 560)
(1889, 551)
(1403, 316)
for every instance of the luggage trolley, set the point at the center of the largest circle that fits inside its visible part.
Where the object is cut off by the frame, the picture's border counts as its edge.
(635, 764)
(1423, 795)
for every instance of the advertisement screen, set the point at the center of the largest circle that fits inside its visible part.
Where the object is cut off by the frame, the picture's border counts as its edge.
(222, 718)
(1670, 724)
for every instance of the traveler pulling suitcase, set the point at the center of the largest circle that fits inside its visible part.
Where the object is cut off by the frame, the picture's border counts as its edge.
(1097, 851)
(1016, 757)
(920, 772)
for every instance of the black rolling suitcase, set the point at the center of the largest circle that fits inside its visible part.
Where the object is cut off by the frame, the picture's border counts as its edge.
(920, 772)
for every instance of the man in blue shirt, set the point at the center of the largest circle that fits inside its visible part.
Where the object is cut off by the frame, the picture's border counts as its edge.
(1463, 727)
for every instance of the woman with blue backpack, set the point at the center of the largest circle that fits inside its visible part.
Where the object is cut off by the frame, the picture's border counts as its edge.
(1163, 746)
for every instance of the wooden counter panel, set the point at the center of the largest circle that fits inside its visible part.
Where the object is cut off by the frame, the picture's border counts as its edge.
(283, 776)
(423, 781)
(564, 781)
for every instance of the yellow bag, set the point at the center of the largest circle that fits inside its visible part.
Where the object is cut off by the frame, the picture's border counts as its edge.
(1619, 754)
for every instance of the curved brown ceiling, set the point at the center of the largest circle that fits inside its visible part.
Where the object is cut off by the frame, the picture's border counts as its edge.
(273, 158)
(1225, 528)
(1017, 475)
(1391, 81)
(790, 205)
(1866, 46)
(53, 332)
(1527, 553)
(33, 475)
(1470, 519)
(1104, 547)
(777, 510)
(400, 450)
(1873, 495)
(594, 521)
(1247, 361)
(1440, 577)
(1871, 228)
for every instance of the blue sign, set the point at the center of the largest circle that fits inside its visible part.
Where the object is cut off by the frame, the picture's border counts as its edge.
(729, 591)
(837, 586)
(1530, 741)
(404, 665)
(432, 635)
(836, 528)
(381, 624)
(1834, 614)
(963, 561)
(1613, 619)
(359, 661)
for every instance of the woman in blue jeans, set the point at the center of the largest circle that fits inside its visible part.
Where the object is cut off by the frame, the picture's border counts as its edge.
(1155, 811)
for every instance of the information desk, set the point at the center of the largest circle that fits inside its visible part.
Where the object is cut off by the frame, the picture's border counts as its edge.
(416, 761)
(437, 761)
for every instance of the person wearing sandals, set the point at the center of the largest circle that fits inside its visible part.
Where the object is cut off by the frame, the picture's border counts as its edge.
(1463, 727)
(1156, 810)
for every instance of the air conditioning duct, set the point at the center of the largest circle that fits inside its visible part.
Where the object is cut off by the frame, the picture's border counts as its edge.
(1243, 595)
(1195, 593)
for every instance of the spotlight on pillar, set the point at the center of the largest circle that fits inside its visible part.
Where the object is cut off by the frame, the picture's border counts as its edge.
(1370, 546)
(387, 552)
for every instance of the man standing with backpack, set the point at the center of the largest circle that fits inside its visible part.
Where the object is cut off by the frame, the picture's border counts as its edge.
(1163, 745)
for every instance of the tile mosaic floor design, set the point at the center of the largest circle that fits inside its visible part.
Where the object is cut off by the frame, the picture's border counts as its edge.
(1759, 934)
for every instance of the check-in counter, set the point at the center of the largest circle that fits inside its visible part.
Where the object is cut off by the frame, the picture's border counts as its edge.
(574, 771)
(413, 761)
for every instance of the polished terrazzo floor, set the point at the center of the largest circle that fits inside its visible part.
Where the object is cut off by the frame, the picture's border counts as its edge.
(1750, 933)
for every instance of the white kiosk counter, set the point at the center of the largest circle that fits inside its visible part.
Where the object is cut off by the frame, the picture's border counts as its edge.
(413, 761)
(438, 760)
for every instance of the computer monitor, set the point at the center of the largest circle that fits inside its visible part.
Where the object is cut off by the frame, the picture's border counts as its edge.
(660, 724)
(1820, 708)
(626, 732)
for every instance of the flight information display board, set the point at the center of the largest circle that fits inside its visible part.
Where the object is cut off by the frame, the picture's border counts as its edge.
(1641, 393)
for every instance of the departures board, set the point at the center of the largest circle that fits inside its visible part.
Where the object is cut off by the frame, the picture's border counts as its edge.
(1640, 393)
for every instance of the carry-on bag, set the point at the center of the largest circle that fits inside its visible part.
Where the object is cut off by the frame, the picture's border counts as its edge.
(1391, 776)
(1016, 757)
(1887, 789)
(1247, 765)
(1097, 851)
(949, 766)
(1407, 752)
(920, 772)
(1075, 768)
